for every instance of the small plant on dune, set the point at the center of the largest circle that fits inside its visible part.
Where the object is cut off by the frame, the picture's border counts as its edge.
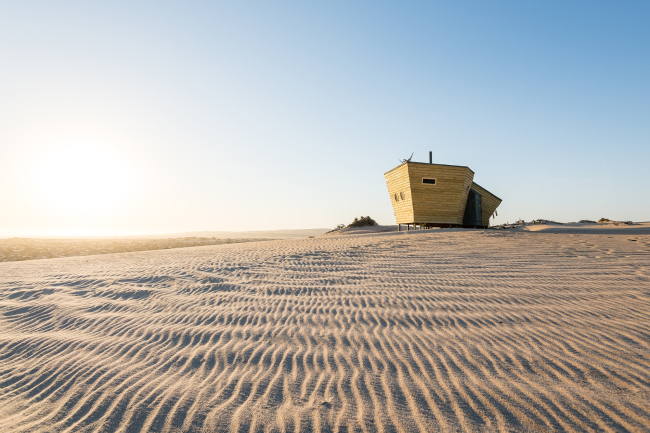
(363, 222)
(337, 228)
(604, 221)
(545, 221)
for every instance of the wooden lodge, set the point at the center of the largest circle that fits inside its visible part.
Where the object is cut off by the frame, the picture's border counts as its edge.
(438, 195)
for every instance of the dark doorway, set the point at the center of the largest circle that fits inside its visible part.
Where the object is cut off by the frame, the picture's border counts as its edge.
(472, 215)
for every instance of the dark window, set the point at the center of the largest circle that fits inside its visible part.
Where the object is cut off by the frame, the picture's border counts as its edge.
(429, 181)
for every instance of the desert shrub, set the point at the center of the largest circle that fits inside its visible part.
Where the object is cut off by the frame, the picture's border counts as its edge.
(337, 228)
(587, 222)
(363, 222)
(604, 220)
(545, 221)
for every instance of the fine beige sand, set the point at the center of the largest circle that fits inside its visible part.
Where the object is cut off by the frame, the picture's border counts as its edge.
(461, 330)
(17, 249)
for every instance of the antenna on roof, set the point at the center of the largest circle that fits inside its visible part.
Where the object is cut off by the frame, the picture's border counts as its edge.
(430, 157)
(407, 160)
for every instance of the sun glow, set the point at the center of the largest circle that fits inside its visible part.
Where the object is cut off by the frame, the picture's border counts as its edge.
(81, 180)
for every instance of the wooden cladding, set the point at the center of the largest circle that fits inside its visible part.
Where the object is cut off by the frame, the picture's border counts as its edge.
(399, 187)
(434, 193)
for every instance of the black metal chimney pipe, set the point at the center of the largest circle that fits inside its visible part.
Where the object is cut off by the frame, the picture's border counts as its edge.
(430, 157)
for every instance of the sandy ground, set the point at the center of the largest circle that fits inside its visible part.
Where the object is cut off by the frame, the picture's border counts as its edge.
(16, 249)
(464, 330)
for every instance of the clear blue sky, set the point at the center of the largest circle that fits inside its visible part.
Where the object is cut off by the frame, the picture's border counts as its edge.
(270, 115)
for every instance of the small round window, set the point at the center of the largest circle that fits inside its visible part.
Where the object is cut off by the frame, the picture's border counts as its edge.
(396, 197)
(401, 195)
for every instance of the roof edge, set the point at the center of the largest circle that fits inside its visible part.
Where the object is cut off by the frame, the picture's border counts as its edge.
(426, 163)
(486, 190)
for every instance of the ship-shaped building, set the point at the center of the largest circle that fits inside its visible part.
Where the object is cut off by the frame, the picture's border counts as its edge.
(438, 195)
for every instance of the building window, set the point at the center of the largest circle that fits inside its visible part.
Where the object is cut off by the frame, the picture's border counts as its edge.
(396, 197)
(428, 181)
(401, 194)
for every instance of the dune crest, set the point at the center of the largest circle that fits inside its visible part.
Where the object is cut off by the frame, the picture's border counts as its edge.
(390, 332)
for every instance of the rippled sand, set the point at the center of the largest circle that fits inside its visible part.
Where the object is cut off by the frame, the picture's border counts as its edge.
(391, 332)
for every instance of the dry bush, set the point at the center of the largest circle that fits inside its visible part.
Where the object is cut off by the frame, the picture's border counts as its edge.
(363, 222)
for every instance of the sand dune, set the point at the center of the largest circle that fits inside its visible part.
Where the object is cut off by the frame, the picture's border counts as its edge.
(601, 229)
(387, 332)
(264, 234)
(16, 249)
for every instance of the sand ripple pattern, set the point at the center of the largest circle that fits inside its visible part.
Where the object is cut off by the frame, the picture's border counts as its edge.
(418, 332)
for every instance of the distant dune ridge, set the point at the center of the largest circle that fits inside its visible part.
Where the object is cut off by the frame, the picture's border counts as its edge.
(15, 249)
(436, 330)
(31, 248)
(269, 234)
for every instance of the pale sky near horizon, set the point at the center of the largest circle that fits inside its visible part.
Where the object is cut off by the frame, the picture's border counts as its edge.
(153, 117)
